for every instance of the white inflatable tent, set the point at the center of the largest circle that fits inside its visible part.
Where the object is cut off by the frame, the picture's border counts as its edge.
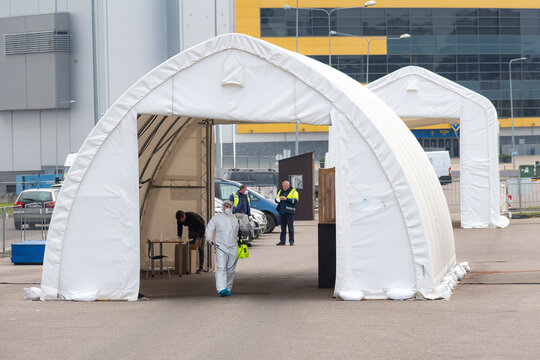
(146, 158)
(421, 98)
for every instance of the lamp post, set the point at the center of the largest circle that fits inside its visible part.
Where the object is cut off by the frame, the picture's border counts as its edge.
(512, 111)
(57, 179)
(401, 37)
(328, 14)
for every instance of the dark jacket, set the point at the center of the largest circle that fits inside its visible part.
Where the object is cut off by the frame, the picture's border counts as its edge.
(195, 224)
(287, 206)
(243, 207)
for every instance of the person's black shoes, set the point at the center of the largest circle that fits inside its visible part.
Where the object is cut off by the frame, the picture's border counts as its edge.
(280, 243)
(199, 270)
(292, 244)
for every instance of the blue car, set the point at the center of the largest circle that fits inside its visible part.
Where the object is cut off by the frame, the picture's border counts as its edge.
(224, 189)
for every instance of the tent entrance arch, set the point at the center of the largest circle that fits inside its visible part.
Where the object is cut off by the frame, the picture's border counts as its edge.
(421, 97)
(382, 175)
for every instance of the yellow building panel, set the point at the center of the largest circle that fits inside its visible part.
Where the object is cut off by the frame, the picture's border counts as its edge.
(340, 45)
(504, 123)
(517, 4)
(278, 128)
(520, 122)
(290, 128)
(249, 27)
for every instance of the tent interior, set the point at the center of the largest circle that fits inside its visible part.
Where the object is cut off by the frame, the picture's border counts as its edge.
(175, 173)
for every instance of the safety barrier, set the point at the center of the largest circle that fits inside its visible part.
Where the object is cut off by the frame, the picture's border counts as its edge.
(20, 224)
(523, 195)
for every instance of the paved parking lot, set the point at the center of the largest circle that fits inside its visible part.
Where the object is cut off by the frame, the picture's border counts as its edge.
(277, 311)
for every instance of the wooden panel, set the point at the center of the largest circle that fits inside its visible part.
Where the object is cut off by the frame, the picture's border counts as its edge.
(327, 196)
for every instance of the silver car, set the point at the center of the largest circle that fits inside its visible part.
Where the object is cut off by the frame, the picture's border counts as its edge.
(34, 207)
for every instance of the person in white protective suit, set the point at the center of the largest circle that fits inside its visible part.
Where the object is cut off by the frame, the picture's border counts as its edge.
(222, 231)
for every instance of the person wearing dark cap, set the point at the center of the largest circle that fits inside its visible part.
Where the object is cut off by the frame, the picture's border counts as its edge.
(196, 228)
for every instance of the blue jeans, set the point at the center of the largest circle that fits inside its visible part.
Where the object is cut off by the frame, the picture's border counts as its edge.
(286, 220)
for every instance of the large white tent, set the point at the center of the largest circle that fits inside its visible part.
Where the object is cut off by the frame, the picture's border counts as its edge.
(421, 97)
(150, 154)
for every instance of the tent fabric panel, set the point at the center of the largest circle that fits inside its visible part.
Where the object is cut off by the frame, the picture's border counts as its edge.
(370, 203)
(100, 256)
(426, 213)
(250, 102)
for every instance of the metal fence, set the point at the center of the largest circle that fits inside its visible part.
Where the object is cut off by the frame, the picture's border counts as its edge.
(517, 195)
(452, 192)
(521, 149)
(523, 195)
(18, 224)
(251, 162)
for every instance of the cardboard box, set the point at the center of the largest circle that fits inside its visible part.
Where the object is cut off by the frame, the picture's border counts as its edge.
(193, 259)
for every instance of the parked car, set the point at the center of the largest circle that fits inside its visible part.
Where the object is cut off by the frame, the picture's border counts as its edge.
(34, 207)
(265, 182)
(224, 189)
(260, 218)
(441, 163)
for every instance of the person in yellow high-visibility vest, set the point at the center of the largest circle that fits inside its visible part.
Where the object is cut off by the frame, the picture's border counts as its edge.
(240, 200)
(287, 198)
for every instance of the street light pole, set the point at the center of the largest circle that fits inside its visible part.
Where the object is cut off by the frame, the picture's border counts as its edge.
(328, 14)
(296, 124)
(401, 37)
(512, 111)
(57, 179)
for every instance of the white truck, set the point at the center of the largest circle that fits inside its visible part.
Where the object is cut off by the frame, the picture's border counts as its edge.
(70, 158)
(441, 163)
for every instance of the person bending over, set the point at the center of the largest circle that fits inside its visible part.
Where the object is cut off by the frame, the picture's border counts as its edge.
(196, 230)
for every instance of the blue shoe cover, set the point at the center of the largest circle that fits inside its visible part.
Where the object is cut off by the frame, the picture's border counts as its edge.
(228, 293)
(224, 292)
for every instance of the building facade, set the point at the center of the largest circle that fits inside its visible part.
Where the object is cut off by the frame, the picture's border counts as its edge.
(51, 96)
(470, 43)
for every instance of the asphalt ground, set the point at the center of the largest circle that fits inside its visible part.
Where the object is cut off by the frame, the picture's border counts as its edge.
(277, 311)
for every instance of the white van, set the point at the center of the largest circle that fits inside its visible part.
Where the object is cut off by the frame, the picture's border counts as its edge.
(70, 158)
(441, 163)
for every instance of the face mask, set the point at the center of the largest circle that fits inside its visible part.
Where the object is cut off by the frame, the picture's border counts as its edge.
(227, 211)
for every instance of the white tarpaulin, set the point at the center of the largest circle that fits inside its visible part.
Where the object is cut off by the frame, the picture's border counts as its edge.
(421, 95)
(394, 233)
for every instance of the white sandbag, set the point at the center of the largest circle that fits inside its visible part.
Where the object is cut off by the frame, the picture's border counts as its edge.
(399, 294)
(465, 265)
(85, 296)
(351, 295)
(32, 293)
(445, 290)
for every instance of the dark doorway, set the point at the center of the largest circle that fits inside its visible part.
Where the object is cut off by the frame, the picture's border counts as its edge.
(299, 171)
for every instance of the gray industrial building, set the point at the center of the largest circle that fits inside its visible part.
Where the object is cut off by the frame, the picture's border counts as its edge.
(63, 63)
